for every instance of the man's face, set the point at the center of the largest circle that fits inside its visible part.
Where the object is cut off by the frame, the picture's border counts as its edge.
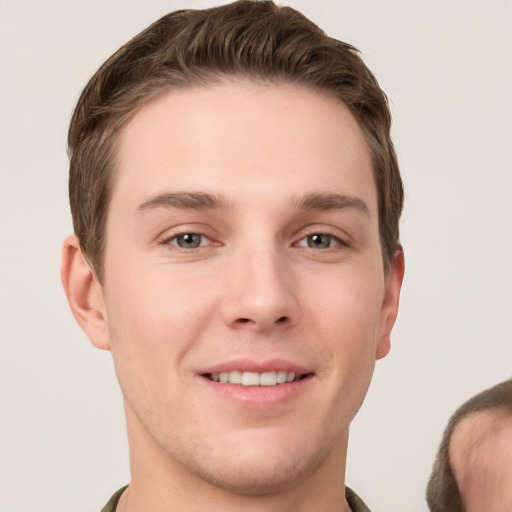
(243, 245)
(481, 458)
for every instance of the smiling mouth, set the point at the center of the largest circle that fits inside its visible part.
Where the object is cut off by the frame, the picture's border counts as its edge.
(242, 378)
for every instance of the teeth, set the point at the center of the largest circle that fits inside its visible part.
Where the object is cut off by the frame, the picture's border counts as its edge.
(250, 379)
(254, 378)
(268, 379)
(281, 377)
(234, 377)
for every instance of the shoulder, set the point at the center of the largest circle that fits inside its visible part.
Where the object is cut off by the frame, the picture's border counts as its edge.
(112, 504)
(355, 502)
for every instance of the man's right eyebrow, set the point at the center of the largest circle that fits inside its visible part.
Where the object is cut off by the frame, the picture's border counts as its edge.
(184, 200)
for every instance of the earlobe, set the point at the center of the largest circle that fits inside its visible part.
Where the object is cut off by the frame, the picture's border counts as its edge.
(390, 303)
(84, 293)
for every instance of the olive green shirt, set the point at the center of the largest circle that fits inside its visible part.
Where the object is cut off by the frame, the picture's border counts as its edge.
(355, 502)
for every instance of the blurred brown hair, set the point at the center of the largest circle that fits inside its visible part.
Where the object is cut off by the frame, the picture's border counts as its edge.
(442, 492)
(252, 40)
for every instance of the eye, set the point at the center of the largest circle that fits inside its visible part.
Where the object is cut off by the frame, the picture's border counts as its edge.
(319, 241)
(189, 240)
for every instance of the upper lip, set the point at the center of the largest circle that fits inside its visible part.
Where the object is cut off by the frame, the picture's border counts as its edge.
(251, 365)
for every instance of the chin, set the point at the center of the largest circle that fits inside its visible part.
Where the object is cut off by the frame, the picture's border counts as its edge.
(257, 477)
(259, 465)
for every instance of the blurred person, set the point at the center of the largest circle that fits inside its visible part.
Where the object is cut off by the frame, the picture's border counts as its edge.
(473, 467)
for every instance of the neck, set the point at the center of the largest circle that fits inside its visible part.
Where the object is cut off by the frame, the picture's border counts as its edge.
(161, 484)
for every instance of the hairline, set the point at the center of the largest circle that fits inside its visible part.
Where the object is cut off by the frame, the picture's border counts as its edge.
(482, 426)
(442, 478)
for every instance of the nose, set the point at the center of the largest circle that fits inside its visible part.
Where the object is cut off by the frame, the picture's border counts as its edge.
(260, 291)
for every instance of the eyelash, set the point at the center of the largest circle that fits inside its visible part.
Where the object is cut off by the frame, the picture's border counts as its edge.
(334, 241)
(332, 238)
(176, 237)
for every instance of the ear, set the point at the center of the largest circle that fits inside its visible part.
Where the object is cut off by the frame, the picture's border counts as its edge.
(389, 310)
(84, 293)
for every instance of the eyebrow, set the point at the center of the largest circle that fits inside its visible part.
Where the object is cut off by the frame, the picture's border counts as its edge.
(185, 200)
(316, 201)
(322, 201)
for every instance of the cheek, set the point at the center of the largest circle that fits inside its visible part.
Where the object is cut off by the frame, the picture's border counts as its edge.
(153, 322)
(347, 319)
(153, 318)
(349, 307)
(346, 323)
(154, 298)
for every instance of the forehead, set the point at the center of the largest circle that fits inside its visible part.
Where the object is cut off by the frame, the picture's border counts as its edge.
(237, 134)
(481, 444)
(482, 426)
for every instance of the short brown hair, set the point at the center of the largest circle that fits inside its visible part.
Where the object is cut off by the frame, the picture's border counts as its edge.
(255, 40)
(442, 491)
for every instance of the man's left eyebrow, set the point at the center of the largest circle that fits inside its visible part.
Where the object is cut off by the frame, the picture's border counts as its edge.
(330, 201)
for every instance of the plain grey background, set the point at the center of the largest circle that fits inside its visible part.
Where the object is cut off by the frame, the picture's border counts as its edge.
(446, 66)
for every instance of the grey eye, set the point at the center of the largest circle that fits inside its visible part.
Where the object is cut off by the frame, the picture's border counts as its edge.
(189, 240)
(320, 241)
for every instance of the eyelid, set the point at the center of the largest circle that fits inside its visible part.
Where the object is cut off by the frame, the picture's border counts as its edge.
(165, 244)
(184, 229)
(337, 242)
(343, 238)
(171, 238)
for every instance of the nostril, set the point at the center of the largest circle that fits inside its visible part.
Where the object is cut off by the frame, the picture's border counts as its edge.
(281, 320)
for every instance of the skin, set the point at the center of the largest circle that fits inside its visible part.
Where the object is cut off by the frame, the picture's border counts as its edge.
(481, 458)
(256, 289)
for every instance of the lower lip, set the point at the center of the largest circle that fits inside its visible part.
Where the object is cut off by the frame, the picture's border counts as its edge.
(259, 397)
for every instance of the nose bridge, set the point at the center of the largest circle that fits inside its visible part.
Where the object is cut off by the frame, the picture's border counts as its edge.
(261, 288)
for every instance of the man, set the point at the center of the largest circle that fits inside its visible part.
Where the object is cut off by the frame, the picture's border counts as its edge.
(473, 468)
(236, 198)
